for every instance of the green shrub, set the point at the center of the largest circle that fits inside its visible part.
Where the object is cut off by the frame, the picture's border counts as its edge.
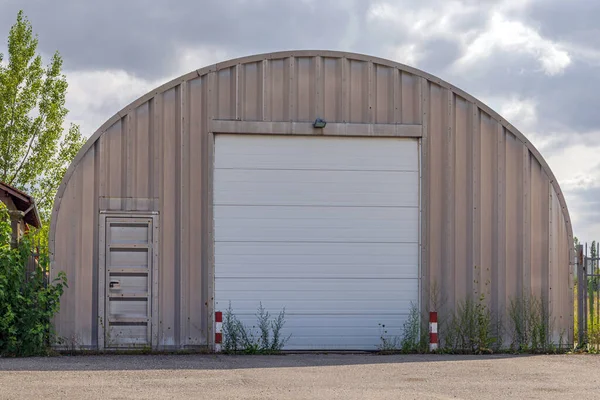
(410, 331)
(27, 303)
(530, 325)
(471, 328)
(238, 338)
(411, 339)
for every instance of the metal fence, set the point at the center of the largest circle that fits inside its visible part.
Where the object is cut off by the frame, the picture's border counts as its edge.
(588, 295)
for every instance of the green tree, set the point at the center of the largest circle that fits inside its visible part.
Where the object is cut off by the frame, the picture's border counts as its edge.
(35, 150)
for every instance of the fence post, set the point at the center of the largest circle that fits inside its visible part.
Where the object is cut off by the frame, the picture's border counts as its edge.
(433, 330)
(581, 296)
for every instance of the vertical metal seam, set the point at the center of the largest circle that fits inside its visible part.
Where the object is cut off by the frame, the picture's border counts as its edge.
(469, 200)
(183, 188)
(124, 158)
(177, 223)
(151, 151)
(396, 116)
(449, 189)
(501, 222)
(424, 282)
(370, 90)
(150, 275)
(526, 226)
(102, 323)
(319, 89)
(550, 253)
(161, 234)
(95, 253)
(211, 223)
(208, 224)
(291, 88)
(416, 102)
(265, 89)
(476, 209)
(130, 151)
(238, 95)
(78, 198)
(345, 89)
(155, 281)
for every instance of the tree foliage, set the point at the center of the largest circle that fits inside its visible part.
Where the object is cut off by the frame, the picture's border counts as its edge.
(27, 301)
(35, 151)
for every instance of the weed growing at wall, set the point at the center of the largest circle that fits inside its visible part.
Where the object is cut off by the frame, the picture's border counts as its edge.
(470, 329)
(27, 303)
(411, 340)
(530, 325)
(239, 338)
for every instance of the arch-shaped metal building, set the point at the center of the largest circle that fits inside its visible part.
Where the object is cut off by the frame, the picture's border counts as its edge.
(216, 187)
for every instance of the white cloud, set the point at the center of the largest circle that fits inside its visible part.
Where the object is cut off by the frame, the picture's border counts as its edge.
(414, 26)
(422, 22)
(192, 58)
(95, 96)
(509, 36)
(576, 165)
(408, 54)
(520, 112)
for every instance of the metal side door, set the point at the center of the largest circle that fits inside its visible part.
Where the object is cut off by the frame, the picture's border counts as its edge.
(128, 282)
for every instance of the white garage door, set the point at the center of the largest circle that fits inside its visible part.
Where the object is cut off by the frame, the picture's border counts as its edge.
(325, 227)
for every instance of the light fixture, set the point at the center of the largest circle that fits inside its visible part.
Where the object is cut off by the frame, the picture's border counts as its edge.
(319, 123)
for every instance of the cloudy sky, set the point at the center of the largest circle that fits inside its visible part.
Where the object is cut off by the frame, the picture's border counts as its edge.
(536, 62)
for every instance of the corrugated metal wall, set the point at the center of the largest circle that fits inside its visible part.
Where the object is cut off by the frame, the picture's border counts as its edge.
(493, 221)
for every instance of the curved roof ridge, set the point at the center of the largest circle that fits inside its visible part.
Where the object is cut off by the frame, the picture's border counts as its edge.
(308, 53)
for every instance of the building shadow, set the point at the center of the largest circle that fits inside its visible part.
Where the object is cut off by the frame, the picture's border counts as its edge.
(112, 362)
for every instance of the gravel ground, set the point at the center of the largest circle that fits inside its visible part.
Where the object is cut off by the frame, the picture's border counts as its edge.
(301, 376)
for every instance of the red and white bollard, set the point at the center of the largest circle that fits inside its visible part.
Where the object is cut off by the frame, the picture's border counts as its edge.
(218, 330)
(433, 331)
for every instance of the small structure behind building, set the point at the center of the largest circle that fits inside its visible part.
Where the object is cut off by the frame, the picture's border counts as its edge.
(21, 209)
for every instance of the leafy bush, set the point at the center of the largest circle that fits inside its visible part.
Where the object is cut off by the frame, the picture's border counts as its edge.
(238, 338)
(27, 302)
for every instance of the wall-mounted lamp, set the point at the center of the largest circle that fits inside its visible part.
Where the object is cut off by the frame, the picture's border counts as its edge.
(319, 123)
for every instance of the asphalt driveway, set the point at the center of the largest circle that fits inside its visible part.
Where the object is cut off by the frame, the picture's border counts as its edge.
(301, 376)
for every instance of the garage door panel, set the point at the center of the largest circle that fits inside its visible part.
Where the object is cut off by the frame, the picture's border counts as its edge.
(324, 271)
(320, 289)
(329, 342)
(342, 284)
(363, 214)
(311, 221)
(406, 233)
(258, 270)
(316, 188)
(319, 296)
(287, 249)
(354, 308)
(321, 304)
(306, 153)
(326, 228)
(324, 260)
(333, 321)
